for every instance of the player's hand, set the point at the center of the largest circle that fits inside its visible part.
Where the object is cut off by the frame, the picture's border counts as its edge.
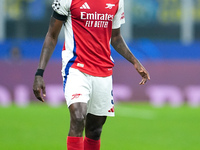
(143, 72)
(39, 88)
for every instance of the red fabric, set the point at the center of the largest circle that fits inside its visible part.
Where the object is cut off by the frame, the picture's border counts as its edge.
(90, 144)
(91, 24)
(74, 143)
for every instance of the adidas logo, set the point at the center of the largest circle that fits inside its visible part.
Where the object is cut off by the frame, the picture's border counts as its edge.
(85, 6)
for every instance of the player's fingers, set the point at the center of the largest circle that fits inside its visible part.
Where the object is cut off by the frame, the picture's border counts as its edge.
(41, 99)
(148, 76)
(145, 76)
(38, 95)
(44, 91)
(144, 80)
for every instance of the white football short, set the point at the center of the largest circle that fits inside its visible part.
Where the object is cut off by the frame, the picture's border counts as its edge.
(97, 92)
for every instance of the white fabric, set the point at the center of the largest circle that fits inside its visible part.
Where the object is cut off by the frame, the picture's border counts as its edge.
(95, 91)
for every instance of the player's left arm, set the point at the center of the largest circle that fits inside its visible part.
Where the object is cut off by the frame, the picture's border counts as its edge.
(120, 46)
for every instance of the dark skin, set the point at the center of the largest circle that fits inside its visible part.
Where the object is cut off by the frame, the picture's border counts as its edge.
(79, 120)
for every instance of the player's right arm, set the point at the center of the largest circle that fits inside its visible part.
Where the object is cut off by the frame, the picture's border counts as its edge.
(59, 16)
(49, 44)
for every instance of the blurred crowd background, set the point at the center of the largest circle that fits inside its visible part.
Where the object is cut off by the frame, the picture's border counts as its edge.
(153, 19)
(163, 34)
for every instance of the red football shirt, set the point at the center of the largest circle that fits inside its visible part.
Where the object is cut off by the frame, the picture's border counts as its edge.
(88, 30)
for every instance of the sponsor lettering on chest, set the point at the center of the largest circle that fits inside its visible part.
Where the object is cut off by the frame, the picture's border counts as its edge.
(97, 18)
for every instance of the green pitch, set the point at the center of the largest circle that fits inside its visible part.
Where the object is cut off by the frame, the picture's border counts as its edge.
(137, 126)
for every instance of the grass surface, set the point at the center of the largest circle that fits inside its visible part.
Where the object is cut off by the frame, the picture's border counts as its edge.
(138, 126)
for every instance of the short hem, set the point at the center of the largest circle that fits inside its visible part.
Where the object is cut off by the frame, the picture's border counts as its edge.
(100, 115)
(68, 105)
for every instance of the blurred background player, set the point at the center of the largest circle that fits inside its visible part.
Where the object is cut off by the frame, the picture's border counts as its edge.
(86, 64)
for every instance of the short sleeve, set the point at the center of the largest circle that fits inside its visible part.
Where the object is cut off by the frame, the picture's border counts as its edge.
(119, 17)
(61, 7)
